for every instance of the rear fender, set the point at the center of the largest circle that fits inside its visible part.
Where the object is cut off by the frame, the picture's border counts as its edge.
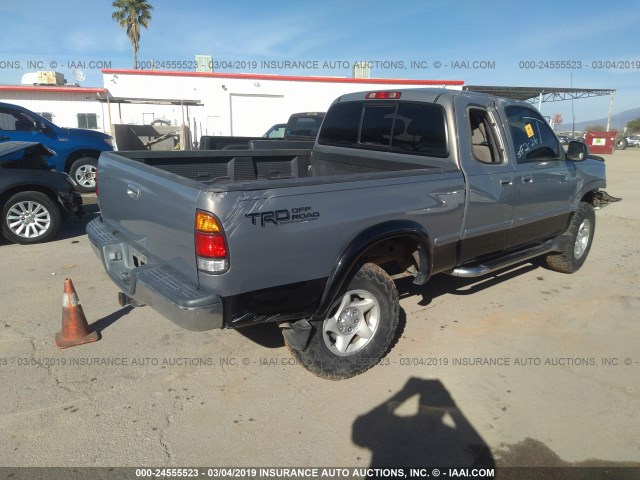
(353, 253)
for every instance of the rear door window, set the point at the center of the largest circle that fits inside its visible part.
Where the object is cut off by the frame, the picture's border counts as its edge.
(484, 144)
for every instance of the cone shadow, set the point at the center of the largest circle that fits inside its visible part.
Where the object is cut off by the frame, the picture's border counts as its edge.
(105, 322)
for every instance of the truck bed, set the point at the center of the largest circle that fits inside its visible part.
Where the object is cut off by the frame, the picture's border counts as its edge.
(231, 170)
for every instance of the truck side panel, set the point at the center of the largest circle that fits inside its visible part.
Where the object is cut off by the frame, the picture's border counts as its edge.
(289, 236)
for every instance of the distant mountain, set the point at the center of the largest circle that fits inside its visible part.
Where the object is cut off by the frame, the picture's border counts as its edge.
(618, 121)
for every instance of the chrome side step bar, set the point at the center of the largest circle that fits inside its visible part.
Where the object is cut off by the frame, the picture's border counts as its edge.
(508, 260)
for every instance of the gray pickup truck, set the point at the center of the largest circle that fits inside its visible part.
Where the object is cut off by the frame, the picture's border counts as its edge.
(420, 181)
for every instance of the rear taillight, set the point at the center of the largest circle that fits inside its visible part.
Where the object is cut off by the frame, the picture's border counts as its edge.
(208, 245)
(211, 245)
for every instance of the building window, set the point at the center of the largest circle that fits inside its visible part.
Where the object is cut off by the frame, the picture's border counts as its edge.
(87, 120)
(47, 116)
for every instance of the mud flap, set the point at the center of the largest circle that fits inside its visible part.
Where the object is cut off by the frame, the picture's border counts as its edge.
(297, 334)
(602, 199)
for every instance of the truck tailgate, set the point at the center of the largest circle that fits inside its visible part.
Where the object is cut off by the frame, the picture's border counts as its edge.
(152, 210)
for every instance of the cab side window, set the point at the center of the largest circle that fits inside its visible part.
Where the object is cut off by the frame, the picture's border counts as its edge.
(533, 140)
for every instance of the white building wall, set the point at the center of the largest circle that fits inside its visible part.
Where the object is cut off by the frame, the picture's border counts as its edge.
(63, 106)
(231, 106)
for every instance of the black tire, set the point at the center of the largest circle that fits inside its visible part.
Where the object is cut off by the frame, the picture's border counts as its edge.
(621, 144)
(580, 233)
(369, 286)
(83, 173)
(30, 217)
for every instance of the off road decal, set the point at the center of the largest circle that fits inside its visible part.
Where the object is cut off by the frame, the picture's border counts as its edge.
(284, 216)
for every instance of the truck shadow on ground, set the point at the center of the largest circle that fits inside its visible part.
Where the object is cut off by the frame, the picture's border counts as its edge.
(421, 426)
(268, 335)
(75, 227)
(446, 284)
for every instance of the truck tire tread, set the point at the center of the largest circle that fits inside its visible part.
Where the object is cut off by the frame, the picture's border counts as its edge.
(566, 261)
(318, 359)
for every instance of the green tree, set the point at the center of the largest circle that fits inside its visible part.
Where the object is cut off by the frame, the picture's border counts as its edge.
(132, 15)
(633, 126)
(595, 128)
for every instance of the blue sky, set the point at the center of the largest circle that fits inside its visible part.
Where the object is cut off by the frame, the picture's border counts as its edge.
(503, 32)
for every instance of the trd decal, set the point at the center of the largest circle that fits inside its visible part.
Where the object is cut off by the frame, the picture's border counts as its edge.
(280, 217)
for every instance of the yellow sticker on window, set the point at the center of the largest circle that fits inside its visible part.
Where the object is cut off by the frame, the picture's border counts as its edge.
(529, 129)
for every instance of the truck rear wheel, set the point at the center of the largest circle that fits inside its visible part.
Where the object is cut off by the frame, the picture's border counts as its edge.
(580, 232)
(83, 172)
(359, 329)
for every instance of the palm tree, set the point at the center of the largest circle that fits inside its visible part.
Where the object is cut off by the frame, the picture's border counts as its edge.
(131, 15)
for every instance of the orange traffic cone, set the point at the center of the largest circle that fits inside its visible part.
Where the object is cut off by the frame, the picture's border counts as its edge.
(75, 329)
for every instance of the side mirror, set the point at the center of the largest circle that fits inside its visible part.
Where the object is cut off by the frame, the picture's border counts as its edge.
(577, 151)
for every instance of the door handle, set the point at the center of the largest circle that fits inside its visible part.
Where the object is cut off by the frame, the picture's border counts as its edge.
(133, 191)
(527, 179)
(3, 138)
(506, 181)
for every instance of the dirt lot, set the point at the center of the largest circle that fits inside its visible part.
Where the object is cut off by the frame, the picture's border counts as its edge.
(528, 367)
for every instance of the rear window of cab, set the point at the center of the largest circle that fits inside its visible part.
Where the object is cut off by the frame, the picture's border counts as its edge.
(403, 127)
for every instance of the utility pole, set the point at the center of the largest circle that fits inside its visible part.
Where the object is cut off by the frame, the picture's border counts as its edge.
(573, 113)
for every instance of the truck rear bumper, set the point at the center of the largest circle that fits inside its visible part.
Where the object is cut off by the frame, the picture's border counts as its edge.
(159, 286)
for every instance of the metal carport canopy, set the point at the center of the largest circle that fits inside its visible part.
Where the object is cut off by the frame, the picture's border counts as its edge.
(108, 99)
(546, 94)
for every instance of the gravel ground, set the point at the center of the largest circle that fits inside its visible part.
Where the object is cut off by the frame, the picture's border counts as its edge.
(527, 367)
